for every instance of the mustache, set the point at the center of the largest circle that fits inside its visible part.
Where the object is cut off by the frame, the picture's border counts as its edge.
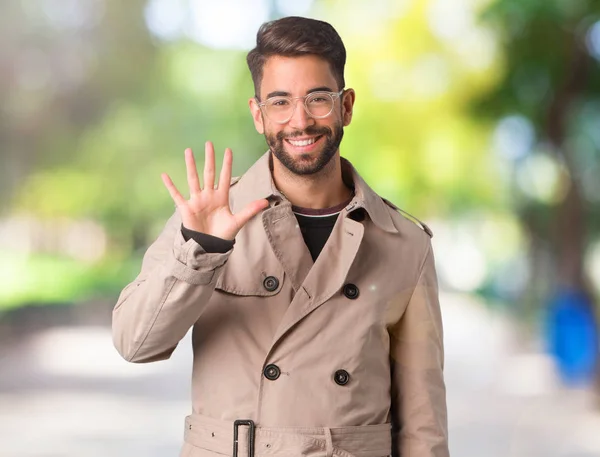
(310, 130)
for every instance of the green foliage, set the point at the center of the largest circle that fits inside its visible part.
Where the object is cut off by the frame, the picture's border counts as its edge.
(44, 279)
(413, 135)
(553, 80)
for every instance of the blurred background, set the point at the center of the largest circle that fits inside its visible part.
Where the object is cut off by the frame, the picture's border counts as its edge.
(481, 117)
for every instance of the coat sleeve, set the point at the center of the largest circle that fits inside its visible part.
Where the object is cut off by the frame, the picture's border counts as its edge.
(155, 311)
(419, 415)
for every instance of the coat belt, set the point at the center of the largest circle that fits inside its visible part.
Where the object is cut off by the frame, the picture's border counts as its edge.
(358, 441)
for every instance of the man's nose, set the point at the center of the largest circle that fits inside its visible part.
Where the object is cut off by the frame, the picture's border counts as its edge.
(300, 118)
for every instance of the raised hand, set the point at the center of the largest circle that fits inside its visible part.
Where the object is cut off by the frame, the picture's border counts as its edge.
(208, 210)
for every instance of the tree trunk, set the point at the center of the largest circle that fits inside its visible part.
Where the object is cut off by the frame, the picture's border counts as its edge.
(570, 224)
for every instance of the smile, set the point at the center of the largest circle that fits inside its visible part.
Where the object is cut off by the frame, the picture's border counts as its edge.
(306, 142)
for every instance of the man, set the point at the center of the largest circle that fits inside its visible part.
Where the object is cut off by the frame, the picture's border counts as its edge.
(313, 302)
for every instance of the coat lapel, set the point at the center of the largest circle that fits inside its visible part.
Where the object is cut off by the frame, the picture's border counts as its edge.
(287, 243)
(327, 275)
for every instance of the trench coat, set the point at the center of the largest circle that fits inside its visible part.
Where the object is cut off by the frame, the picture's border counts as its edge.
(338, 357)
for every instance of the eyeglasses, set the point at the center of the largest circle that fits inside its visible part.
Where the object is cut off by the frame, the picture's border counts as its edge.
(318, 105)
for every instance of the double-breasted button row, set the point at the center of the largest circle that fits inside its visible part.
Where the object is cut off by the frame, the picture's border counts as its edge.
(271, 283)
(272, 373)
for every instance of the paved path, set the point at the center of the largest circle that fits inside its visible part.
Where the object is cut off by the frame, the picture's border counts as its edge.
(66, 393)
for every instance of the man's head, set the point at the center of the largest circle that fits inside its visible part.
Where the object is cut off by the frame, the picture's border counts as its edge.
(295, 57)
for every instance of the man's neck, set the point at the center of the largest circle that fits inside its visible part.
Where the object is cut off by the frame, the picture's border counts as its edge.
(324, 189)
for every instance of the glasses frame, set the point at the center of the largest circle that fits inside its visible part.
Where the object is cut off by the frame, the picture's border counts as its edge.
(333, 95)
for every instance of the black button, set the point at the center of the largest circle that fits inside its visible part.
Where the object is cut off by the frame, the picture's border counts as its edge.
(351, 291)
(341, 377)
(272, 372)
(271, 283)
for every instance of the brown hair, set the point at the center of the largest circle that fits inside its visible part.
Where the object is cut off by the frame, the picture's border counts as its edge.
(295, 36)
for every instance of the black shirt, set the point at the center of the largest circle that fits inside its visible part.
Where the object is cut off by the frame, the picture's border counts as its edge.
(316, 231)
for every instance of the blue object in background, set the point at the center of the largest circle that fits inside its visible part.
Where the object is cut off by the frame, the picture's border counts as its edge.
(572, 336)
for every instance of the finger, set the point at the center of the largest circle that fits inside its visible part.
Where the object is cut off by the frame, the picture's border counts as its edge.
(175, 195)
(225, 177)
(192, 172)
(251, 210)
(209, 166)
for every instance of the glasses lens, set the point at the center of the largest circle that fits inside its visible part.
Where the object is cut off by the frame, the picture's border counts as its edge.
(279, 109)
(319, 104)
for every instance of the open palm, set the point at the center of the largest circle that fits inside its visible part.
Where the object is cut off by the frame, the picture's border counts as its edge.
(207, 209)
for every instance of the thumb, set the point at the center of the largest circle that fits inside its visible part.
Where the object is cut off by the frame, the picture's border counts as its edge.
(251, 210)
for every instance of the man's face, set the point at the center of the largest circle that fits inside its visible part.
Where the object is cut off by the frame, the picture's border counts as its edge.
(304, 145)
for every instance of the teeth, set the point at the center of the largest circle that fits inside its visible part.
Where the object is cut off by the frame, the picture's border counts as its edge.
(303, 142)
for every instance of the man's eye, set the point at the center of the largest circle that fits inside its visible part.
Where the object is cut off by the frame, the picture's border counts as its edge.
(319, 99)
(280, 102)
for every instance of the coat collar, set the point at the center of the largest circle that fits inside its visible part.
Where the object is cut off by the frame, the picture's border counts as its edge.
(258, 183)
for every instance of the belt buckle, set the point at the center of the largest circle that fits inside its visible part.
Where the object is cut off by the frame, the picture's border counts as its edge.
(251, 429)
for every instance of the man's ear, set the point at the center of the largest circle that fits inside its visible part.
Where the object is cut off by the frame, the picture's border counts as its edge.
(256, 115)
(348, 98)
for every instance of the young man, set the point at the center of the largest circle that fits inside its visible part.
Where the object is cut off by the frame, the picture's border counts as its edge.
(313, 302)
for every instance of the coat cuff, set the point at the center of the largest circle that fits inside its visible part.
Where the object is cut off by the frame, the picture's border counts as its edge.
(192, 264)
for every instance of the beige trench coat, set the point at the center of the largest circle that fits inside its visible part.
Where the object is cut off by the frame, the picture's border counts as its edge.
(341, 357)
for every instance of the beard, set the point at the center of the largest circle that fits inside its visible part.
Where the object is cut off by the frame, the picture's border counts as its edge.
(305, 164)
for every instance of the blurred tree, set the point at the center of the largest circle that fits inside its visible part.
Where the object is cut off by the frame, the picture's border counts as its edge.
(63, 63)
(552, 82)
(114, 108)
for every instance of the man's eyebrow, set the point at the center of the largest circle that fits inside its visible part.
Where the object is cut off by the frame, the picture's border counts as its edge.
(281, 93)
(278, 93)
(320, 89)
